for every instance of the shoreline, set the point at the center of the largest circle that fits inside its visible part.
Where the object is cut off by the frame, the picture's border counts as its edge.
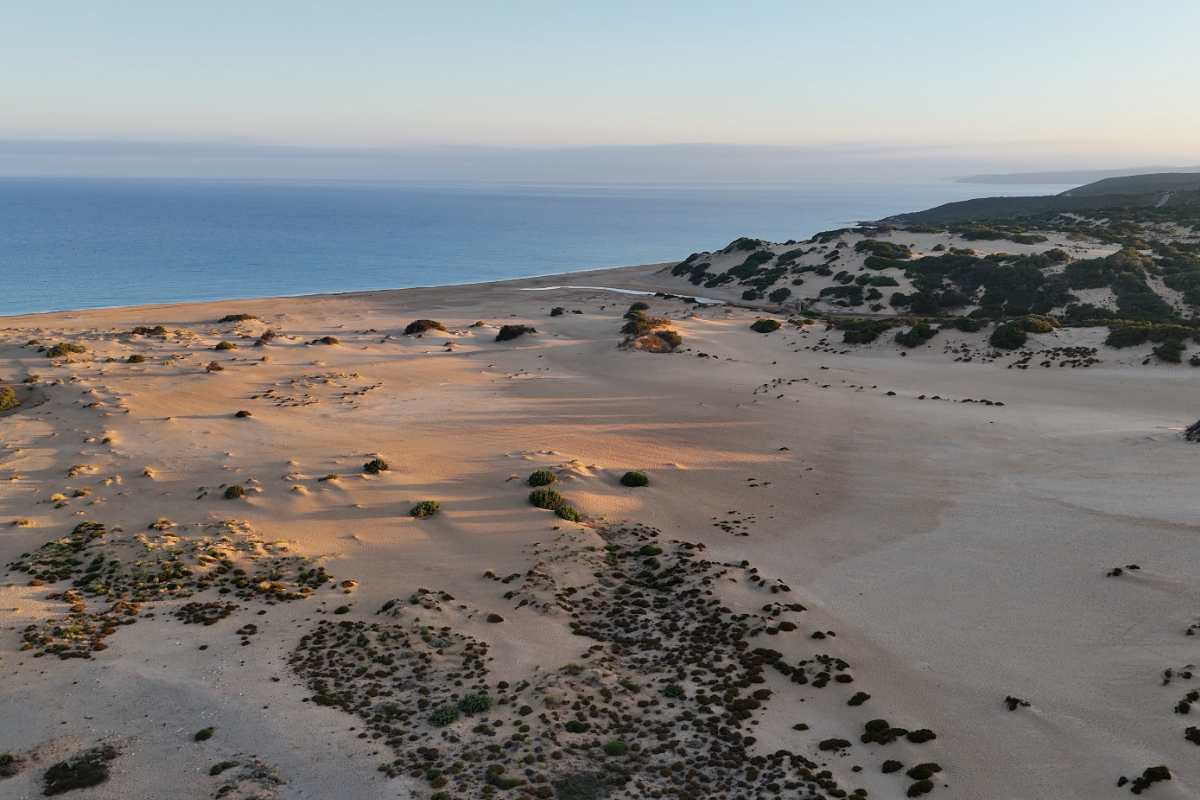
(350, 294)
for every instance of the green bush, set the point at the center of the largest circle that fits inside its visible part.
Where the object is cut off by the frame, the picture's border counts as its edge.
(615, 748)
(509, 332)
(89, 768)
(376, 466)
(541, 477)
(65, 348)
(546, 498)
(1170, 351)
(423, 325)
(143, 330)
(8, 398)
(568, 513)
(234, 492)
(223, 345)
(635, 478)
(918, 334)
(1009, 336)
(475, 704)
(135, 358)
(765, 325)
(237, 318)
(883, 249)
(780, 294)
(443, 716)
(425, 508)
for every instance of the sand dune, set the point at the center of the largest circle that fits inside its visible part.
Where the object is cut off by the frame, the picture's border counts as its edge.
(813, 511)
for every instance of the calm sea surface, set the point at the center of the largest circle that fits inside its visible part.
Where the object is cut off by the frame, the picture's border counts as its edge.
(67, 243)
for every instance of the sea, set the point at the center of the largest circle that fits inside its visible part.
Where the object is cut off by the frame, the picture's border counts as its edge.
(69, 243)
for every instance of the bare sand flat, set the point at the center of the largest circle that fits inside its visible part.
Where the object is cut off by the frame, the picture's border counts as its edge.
(831, 537)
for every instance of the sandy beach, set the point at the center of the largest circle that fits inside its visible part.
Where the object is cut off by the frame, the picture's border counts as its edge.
(830, 537)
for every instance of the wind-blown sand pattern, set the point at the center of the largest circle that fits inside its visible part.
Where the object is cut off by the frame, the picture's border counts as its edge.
(850, 574)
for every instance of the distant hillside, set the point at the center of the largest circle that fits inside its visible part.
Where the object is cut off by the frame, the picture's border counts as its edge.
(1133, 191)
(1139, 184)
(1077, 176)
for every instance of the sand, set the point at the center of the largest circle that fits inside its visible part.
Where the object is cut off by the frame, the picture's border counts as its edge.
(957, 550)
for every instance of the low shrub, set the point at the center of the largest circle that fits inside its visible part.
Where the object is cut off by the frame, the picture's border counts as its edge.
(509, 332)
(425, 508)
(546, 498)
(615, 748)
(918, 334)
(144, 330)
(635, 478)
(8, 398)
(326, 340)
(89, 768)
(964, 324)
(1170, 351)
(223, 345)
(237, 318)
(636, 308)
(568, 513)
(557, 311)
(376, 466)
(541, 477)
(883, 249)
(780, 294)
(203, 735)
(135, 358)
(765, 325)
(1009, 336)
(213, 366)
(423, 325)
(475, 704)
(65, 349)
(443, 716)
(243, 414)
(234, 492)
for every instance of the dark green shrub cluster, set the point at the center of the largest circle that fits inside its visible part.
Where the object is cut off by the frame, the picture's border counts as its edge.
(376, 466)
(568, 513)
(223, 345)
(475, 704)
(546, 498)
(425, 508)
(443, 716)
(541, 477)
(423, 325)
(964, 324)
(89, 768)
(237, 318)
(918, 334)
(234, 492)
(843, 295)
(510, 332)
(64, 349)
(765, 325)
(1009, 336)
(635, 478)
(1134, 333)
(779, 295)
(135, 358)
(883, 249)
(8, 398)
(1170, 351)
(864, 331)
(143, 330)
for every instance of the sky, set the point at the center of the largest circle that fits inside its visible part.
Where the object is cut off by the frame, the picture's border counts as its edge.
(405, 88)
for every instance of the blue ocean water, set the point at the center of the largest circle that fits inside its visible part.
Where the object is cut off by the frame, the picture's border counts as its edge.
(76, 243)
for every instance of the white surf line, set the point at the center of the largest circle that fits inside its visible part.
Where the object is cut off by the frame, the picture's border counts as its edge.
(643, 293)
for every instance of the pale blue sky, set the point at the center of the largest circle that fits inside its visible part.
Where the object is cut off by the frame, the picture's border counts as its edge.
(1096, 82)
